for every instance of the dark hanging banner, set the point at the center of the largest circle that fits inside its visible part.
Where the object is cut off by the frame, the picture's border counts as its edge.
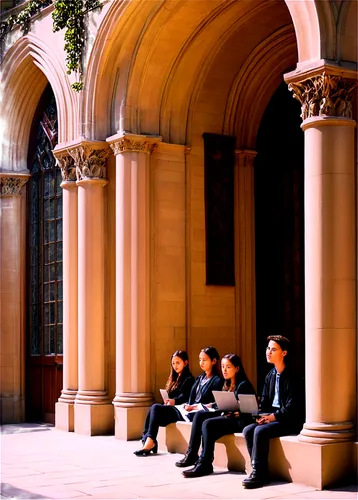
(219, 154)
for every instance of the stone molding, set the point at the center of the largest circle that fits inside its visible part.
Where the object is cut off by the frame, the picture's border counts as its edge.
(67, 396)
(83, 160)
(170, 152)
(91, 397)
(325, 95)
(326, 433)
(66, 164)
(11, 184)
(133, 399)
(133, 143)
(245, 157)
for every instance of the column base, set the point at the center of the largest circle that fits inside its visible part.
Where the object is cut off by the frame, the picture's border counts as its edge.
(64, 416)
(129, 422)
(93, 420)
(327, 433)
(317, 465)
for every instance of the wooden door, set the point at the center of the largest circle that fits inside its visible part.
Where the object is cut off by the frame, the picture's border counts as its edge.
(44, 264)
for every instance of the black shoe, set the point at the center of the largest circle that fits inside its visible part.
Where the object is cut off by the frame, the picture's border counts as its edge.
(145, 453)
(188, 460)
(255, 480)
(200, 469)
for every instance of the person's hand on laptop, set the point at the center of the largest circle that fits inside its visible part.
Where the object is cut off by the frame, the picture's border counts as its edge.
(266, 419)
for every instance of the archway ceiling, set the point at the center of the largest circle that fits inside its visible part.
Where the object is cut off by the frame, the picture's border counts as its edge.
(193, 63)
(143, 47)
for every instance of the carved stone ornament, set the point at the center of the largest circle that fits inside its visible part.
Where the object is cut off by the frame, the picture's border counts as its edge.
(90, 163)
(133, 145)
(325, 95)
(67, 166)
(245, 157)
(10, 186)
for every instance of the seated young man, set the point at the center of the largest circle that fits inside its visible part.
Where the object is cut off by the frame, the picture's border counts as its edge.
(282, 402)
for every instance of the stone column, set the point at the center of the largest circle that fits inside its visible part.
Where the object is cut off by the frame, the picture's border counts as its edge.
(93, 413)
(133, 353)
(65, 406)
(330, 258)
(12, 296)
(245, 294)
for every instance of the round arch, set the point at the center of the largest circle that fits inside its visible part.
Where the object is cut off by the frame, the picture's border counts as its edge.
(117, 94)
(28, 66)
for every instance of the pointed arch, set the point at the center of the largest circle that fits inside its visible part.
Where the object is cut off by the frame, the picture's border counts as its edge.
(27, 68)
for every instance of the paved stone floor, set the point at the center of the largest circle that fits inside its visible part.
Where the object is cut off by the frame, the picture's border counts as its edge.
(38, 461)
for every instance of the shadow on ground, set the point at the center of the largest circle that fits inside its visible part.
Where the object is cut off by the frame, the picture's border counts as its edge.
(29, 427)
(8, 491)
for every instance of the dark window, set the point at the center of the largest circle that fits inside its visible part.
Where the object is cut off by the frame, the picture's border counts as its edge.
(44, 235)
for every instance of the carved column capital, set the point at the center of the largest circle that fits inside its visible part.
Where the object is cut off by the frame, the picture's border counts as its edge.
(133, 143)
(66, 164)
(12, 183)
(325, 95)
(90, 158)
(245, 157)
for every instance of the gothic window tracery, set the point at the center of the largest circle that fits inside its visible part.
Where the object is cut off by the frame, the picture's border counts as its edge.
(45, 235)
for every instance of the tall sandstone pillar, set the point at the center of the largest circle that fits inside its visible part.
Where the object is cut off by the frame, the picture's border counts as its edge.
(12, 297)
(330, 264)
(93, 412)
(133, 382)
(65, 404)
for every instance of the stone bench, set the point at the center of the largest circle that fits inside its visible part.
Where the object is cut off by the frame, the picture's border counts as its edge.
(287, 460)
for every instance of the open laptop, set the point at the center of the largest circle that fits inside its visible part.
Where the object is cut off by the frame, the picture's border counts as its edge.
(248, 404)
(226, 401)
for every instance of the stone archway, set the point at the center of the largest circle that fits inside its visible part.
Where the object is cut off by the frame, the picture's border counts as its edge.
(215, 74)
(28, 66)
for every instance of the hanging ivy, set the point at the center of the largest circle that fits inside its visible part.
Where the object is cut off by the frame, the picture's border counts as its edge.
(68, 15)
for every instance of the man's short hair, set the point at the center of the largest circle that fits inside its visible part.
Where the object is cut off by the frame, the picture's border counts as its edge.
(282, 341)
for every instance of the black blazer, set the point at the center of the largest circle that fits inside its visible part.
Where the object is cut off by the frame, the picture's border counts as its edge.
(214, 384)
(290, 412)
(244, 387)
(182, 392)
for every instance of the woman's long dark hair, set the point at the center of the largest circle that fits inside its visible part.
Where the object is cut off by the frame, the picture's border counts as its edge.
(175, 378)
(213, 354)
(240, 375)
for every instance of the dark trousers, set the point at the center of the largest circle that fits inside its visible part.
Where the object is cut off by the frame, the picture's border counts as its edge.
(258, 442)
(159, 416)
(208, 427)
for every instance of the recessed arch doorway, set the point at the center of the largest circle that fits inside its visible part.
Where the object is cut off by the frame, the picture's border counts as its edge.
(44, 325)
(279, 229)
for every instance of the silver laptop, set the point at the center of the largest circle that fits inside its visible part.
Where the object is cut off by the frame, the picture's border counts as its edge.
(226, 401)
(164, 394)
(248, 404)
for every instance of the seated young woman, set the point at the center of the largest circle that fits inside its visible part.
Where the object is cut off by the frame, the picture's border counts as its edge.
(186, 390)
(208, 427)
